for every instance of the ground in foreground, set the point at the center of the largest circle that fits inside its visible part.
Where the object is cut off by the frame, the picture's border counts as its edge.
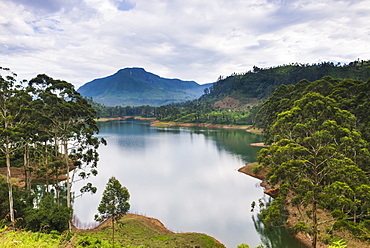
(132, 231)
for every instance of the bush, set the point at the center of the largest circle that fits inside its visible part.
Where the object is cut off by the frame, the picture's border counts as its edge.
(48, 217)
(243, 246)
(21, 199)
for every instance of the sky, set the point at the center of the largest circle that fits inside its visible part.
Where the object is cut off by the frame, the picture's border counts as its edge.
(200, 40)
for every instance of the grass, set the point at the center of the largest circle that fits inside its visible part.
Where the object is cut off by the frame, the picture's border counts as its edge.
(163, 124)
(132, 231)
(13, 238)
(138, 231)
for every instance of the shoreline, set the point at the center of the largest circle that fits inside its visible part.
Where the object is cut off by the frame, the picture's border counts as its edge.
(248, 128)
(303, 239)
(157, 123)
(248, 170)
(123, 118)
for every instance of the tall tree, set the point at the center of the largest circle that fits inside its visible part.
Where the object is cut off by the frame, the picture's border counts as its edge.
(114, 202)
(14, 102)
(315, 146)
(71, 123)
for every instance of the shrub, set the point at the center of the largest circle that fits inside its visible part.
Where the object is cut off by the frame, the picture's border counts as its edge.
(48, 217)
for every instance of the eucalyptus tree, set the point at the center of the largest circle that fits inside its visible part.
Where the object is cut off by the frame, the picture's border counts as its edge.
(114, 202)
(315, 149)
(14, 109)
(71, 123)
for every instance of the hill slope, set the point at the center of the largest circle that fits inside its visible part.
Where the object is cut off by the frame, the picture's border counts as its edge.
(133, 231)
(260, 83)
(135, 87)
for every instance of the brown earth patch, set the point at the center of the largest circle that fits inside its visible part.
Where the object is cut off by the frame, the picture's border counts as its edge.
(259, 144)
(227, 102)
(124, 118)
(182, 124)
(18, 175)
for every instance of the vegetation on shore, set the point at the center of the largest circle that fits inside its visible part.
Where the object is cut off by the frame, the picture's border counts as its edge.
(132, 231)
(47, 133)
(318, 158)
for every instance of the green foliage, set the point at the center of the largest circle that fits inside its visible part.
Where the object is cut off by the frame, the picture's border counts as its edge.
(243, 246)
(350, 95)
(137, 231)
(114, 202)
(261, 82)
(21, 198)
(92, 242)
(48, 217)
(338, 244)
(29, 239)
(314, 160)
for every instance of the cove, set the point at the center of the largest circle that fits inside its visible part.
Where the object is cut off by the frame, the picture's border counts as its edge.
(185, 177)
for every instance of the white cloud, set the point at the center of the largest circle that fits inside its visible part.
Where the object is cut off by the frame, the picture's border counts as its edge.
(79, 40)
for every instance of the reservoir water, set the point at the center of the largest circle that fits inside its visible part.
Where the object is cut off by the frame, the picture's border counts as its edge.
(185, 177)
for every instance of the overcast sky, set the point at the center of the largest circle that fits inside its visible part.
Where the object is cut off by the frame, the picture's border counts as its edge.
(80, 40)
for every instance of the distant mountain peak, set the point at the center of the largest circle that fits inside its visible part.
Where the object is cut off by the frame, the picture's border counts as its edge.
(135, 86)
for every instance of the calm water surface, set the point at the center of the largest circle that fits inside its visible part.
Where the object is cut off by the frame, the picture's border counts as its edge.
(185, 177)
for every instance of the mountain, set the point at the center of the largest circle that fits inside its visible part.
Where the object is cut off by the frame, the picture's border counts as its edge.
(136, 87)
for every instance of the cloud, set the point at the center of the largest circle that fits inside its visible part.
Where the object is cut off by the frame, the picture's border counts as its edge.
(79, 40)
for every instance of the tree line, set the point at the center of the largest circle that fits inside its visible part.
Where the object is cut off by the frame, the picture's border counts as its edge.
(261, 82)
(46, 128)
(188, 112)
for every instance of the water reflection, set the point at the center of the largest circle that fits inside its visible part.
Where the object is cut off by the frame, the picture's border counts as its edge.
(274, 237)
(185, 177)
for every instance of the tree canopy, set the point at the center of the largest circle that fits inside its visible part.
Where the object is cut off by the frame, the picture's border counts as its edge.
(114, 203)
(47, 128)
(316, 155)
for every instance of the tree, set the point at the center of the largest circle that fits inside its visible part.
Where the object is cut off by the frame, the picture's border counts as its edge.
(114, 203)
(14, 102)
(316, 146)
(71, 122)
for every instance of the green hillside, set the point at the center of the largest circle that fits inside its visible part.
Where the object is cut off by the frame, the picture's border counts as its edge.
(261, 82)
(134, 231)
(135, 87)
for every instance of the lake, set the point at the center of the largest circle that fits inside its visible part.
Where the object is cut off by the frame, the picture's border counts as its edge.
(185, 177)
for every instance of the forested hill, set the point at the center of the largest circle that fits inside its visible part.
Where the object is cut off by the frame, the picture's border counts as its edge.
(135, 87)
(261, 83)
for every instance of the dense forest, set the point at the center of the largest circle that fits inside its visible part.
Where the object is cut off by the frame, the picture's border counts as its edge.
(319, 156)
(261, 82)
(47, 130)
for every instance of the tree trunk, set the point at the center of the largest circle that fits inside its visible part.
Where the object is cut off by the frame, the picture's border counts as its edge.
(113, 230)
(8, 177)
(47, 168)
(314, 218)
(26, 163)
(56, 147)
(65, 144)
